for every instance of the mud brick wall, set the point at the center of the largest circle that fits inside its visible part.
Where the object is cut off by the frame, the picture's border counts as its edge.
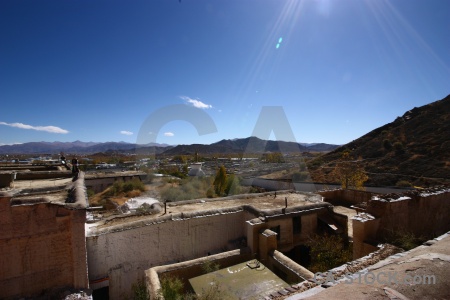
(42, 248)
(346, 197)
(123, 253)
(422, 215)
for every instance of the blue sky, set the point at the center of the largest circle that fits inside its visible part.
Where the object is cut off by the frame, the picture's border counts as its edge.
(96, 70)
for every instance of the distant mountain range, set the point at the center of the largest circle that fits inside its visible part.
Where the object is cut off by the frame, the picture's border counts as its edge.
(250, 145)
(76, 147)
(414, 148)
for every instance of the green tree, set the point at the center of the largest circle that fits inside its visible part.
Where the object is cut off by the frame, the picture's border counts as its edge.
(350, 173)
(232, 187)
(220, 181)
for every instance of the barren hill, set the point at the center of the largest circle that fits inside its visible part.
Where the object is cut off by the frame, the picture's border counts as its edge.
(250, 145)
(414, 148)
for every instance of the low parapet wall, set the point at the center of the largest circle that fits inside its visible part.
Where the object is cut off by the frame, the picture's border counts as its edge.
(291, 272)
(43, 175)
(192, 268)
(6, 179)
(346, 197)
(101, 182)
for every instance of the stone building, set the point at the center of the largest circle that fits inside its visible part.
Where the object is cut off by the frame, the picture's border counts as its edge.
(42, 242)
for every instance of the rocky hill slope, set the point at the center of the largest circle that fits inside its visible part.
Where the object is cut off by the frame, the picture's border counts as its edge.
(414, 148)
(250, 145)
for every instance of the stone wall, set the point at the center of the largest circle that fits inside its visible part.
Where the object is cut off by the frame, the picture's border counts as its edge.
(346, 197)
(6, 179)
(287, 239)
(122, 253)
(287, 269)
(43, 175)
(423, 214)
(99, 184)
(42, 247)
(193, 268)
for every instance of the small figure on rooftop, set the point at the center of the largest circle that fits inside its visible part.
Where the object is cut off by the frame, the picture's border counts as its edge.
(75, 169)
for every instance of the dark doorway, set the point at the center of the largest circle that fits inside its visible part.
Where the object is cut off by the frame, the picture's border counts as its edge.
(300, 254)
(101, 293)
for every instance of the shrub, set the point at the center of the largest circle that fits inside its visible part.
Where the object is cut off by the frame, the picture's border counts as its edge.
(209, 266)
(403, 183)
(327, 252)
(126, 187)
(140, 291)
(171, 288)
(115, 189)
(144, 209)
(210, 192)
(398, 147)
(189, 188)
(302, 167)
(387, 144)
(232, 186)
(404, 239)
(90, 193)
(315, 163)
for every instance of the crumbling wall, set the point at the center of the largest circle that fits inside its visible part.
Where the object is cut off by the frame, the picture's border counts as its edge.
(33, 175)
(346, 197)
(42, 247)
(99, 184)
(6, 179)
(421, 213)
(122, 253)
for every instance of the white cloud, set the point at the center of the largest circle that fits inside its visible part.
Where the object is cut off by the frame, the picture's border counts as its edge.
(169, 134)
(125, 132)
(196, 103)
(51, 129)
(1, 144)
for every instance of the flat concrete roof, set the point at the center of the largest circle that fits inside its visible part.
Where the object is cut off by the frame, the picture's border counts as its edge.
(240, 281)
(262, 201)
(65, 191)
(41, 184)
(59, 197)
(266, 203)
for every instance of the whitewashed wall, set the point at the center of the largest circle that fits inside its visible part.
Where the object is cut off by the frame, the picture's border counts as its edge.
(124, 255)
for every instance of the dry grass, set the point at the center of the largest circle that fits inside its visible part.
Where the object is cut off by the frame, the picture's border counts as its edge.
(104, 198)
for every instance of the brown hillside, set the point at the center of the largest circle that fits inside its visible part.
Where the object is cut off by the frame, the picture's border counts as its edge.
(413, 148)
